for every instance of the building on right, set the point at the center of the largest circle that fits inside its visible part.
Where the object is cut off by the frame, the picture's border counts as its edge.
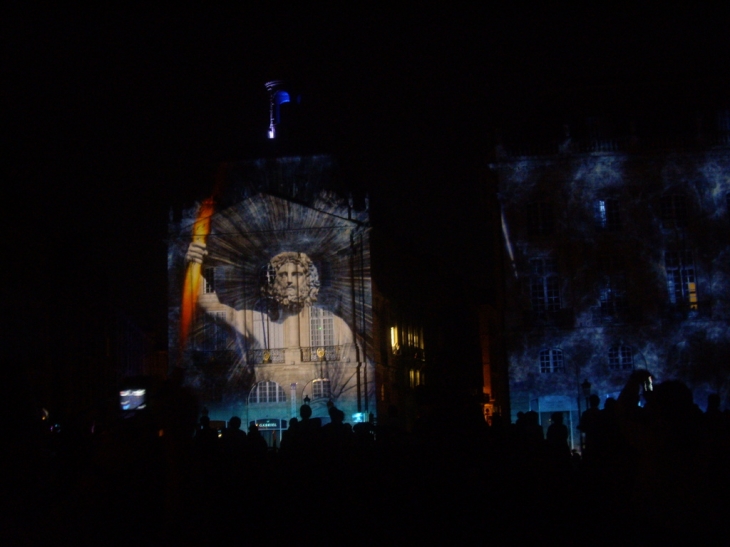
(615, 257)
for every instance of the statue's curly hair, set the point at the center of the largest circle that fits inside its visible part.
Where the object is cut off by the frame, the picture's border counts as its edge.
(270, 291)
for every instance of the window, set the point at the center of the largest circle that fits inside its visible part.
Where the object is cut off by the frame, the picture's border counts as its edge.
(209, 280)
(394, 340)
(620, 358)
(267, 392)
(267, 333)
(612, 288)
(215, 331)
(681, 280)
(606, 215)
(416, 377)
(321, 389)
(551, 360)
(544, 286)
(321, 328)
(221, 330)
(674, 211)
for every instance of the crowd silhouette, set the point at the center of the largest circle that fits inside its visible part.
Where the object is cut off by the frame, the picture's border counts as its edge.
(653, 465)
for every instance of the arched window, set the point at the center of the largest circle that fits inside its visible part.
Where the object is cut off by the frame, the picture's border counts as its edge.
(321, 388)
(551, 360)
(620, 357)
(267, 392)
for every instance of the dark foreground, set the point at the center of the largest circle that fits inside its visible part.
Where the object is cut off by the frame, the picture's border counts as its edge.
(142, 481)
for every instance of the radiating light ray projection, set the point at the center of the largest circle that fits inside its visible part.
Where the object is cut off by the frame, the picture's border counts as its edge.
(230, 329)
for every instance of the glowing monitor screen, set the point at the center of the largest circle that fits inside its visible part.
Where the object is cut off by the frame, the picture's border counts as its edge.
(131, 399)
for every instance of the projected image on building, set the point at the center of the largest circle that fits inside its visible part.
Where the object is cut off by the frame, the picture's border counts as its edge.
(615, 260)
(281, 309)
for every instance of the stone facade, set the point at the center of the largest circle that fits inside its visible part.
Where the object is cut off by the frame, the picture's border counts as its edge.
(282, 312)
(615, 258)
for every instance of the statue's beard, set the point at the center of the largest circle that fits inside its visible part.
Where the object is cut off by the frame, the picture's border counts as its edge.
(289, 299)
(293, 303)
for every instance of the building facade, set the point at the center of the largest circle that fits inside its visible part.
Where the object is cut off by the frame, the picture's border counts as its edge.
(401, 365)
(271, 296)
(615, 258)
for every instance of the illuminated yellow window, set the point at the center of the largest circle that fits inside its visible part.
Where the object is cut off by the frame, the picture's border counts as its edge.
(681, 278)
(692, 293)
(394, 339)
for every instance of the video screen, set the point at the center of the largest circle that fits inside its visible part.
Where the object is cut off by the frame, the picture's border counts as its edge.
(132, 399)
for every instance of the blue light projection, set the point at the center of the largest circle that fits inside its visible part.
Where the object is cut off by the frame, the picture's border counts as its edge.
(277, 97)
(668, 315)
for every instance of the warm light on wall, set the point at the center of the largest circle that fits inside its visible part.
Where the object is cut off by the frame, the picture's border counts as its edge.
(394, 338)
(416, 378)
(692, 290)
(193, 275)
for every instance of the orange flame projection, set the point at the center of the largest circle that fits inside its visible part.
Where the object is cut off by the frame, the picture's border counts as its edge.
(191, 288)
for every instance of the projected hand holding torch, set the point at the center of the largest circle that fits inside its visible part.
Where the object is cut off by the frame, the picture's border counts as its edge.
(193, 276)
(196, 252)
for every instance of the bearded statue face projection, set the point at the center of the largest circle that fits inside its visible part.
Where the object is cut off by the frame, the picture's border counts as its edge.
(272, 293)
(292, 281)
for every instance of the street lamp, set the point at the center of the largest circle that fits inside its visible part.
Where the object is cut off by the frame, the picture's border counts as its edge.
(306, 400)
(586, 387)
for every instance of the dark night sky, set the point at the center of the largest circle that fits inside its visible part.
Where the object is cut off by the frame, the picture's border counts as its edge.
(112, 116)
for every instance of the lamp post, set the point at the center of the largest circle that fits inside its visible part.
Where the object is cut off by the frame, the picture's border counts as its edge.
(306, 400)
(586, 387)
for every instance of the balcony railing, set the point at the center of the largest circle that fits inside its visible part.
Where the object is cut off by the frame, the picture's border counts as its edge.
(309, 355)
(264, 356)
(321, 353)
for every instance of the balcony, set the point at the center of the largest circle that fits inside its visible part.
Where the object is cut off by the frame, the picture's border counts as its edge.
(265, 356)
(321, 353)
(316, 354)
